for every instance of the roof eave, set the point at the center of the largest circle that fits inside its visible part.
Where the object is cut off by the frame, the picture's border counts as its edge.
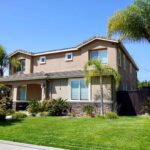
(18, 51)
(23, 79)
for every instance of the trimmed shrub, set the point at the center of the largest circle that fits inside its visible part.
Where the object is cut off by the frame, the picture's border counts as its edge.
(111, 115)
(2, 115)
(10, 112)
(44, 114)
(44, 105)
(100, 116)
(33, 107)
(5, 103)
(146, 107)
(88, 110)
(58, 107)
(19, 115)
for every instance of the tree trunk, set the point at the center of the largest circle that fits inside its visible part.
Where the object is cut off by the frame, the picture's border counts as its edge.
(101, 91)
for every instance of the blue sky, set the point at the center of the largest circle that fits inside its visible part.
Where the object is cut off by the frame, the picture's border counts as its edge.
(37, 25)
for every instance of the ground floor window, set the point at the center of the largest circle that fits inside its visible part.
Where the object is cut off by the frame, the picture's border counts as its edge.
(79, 90)
(22, 93)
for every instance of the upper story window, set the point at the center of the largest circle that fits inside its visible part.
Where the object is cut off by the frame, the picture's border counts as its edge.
(99, 55)
(21, 67)
(69, 57)
(119, 57)
(42, 60)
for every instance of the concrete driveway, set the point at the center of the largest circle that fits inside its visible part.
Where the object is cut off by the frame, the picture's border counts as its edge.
(7, 145)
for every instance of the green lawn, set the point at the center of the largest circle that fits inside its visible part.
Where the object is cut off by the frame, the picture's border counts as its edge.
(125, 133)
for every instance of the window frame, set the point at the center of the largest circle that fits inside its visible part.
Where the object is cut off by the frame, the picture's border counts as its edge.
(18, 94)
(21, 65)
(99, 50)
(78, 100)
(41, 59)
(66, 57)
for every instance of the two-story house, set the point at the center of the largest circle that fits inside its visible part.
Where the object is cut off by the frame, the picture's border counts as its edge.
(59, 73)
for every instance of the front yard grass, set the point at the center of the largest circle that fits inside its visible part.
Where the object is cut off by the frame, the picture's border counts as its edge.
(125, 133)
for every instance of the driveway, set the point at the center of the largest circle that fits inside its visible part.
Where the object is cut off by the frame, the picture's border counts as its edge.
(7, 145)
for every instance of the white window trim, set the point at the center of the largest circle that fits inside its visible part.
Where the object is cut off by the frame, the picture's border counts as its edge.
(66, 58)
(24, 65)
(41, 59)
(89, 90)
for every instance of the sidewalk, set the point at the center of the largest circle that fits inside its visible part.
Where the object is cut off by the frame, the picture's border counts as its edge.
(7, 145)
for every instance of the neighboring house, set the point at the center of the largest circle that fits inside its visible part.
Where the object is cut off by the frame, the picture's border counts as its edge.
(59, 73)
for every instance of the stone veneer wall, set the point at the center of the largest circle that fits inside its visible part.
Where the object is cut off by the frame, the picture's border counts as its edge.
(77, 107)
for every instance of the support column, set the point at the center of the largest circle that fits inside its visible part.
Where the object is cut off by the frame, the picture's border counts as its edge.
(14, 96)
(43, 91)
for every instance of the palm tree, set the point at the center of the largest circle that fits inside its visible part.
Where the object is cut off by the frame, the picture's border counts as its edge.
(3, 60)
(132, 23)
(94, 68)
(14, 62)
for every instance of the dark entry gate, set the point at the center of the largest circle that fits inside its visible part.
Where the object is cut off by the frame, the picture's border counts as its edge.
(131, 102)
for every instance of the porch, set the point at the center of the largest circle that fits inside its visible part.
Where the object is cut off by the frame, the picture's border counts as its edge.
(23, 91)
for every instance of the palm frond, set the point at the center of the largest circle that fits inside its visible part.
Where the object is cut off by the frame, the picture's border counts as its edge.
(131, 23)
(15, 62)
(99, 69)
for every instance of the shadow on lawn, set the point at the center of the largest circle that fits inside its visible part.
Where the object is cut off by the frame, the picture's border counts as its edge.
(10, 122)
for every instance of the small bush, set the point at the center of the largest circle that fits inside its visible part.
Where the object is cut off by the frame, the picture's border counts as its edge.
(88, 109)
(33, 107)
(111, 115)
(44, 105)
(5, 103)
(44, 114)
(146, 107)
(58, 107)
(2, 115)
(10, 112)
(19, 115)
(100, 116)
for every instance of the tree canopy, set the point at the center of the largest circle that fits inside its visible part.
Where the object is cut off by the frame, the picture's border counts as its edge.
(3, 60)
(95, 68)
(132, 23)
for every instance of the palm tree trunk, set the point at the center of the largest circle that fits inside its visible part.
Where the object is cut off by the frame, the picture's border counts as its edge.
(101, 91)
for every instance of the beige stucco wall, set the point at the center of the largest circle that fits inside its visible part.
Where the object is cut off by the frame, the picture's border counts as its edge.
(57, 62)
(58, 88)
(128, 78)
(107, 89)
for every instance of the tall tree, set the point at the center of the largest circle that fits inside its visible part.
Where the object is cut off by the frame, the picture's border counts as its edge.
(3, 60)
(14, 62)
(94, 68)
(132, 23)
